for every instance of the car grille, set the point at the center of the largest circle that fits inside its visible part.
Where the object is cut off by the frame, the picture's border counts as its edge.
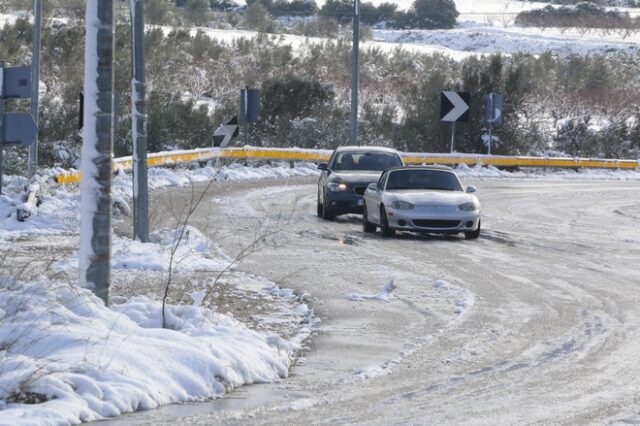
(360, 190)
(429, 223)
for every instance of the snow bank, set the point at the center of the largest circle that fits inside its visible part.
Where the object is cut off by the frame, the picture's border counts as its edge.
(62, 345)
(182, 250)
(489, 172)
(384, 294)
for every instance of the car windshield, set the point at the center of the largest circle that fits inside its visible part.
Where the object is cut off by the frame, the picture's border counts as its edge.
(363, 160)
(423, 179)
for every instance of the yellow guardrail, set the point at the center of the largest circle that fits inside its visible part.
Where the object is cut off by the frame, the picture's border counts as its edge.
(295, 154)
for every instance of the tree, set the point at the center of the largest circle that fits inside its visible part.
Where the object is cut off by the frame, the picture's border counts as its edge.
(257, 17)
(436, 13)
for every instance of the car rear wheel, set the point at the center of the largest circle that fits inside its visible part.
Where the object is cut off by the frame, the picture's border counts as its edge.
(473, 235)
(366, 225)
(327, 212)
(384, 224)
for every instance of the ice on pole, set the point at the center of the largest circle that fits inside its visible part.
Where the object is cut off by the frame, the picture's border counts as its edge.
(95, 188)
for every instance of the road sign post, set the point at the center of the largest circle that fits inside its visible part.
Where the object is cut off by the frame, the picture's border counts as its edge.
(139, 125)
(354, 72)
(35, 83)
(454, 107)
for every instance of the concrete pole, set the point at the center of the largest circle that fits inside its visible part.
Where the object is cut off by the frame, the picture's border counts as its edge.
(35, 82)
(139, 125)
(354, 72)
(97, 148)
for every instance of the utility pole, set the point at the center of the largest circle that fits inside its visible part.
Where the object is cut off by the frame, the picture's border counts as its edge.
(35, 82)
(97, 148)
(1, 120)
(354, 72)
(139, 125)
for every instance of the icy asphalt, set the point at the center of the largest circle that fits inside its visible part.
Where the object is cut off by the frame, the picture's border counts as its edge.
(537, 322)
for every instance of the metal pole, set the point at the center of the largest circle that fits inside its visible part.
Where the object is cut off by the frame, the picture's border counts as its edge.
(354, 72)
(35, 82)
(490, 138)
(97, 148)
(453, 134)
(139, 125)
(1, 119)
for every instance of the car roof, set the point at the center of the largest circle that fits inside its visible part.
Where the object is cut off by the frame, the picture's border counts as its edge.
(367, 148)
(432, 167)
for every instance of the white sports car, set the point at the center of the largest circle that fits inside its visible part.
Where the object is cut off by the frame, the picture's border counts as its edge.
(427, 199)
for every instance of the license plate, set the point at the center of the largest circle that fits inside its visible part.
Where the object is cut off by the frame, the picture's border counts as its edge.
(360, 203)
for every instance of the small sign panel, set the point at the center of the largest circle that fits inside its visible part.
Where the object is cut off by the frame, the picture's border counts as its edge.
(17, 83)
(249, 105)
(493, 108)
(226, 132)
(454, 106)
(19, 128)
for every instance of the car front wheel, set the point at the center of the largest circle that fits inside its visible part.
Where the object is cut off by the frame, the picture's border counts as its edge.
(473, 235)
(384, 224)
(366, 225)
(327, 212)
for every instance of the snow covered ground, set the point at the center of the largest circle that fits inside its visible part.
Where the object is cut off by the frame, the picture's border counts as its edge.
(82, 361)
(66, 358)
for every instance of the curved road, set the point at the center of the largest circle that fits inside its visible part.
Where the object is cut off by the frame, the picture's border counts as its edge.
(537, 322)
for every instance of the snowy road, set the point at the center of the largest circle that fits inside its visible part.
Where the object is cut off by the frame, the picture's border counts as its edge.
(536, 322)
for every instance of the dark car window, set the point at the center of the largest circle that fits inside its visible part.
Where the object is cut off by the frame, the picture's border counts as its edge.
(363, 160)
(423, 179)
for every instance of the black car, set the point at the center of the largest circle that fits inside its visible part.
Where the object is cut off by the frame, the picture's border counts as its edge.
(346, 176)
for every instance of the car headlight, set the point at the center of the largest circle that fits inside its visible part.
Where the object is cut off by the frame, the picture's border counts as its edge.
(468, 207)
(337, 186)
(402, 205)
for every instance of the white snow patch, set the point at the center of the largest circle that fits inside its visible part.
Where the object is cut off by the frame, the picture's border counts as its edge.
(463, 298)
(384, 295)
(92, 362)
(182, 250)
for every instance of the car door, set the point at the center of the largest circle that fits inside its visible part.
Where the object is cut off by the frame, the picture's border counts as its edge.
(373, 200)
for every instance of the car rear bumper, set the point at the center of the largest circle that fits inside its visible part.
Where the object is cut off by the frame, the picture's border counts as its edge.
(417, 221)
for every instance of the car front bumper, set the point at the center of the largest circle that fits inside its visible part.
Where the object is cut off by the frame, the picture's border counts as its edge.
(343, 202)
(449, 220)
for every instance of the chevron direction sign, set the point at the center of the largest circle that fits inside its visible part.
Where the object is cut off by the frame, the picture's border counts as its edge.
(454, 106)
(226, 132)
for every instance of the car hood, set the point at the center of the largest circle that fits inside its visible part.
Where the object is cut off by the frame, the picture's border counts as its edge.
(431, 197)
(355, 176)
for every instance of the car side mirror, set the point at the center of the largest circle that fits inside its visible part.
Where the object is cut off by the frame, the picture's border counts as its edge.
(471, 189)
(323, 166)
(373, 186)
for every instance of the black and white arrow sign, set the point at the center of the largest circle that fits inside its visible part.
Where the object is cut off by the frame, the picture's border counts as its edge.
(454, 106)
(227, 131)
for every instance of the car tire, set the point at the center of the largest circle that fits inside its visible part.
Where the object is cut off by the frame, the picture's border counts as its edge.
(366, 225)
(319, 208)
(384, 224)
(327, 212)
(473, 235)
